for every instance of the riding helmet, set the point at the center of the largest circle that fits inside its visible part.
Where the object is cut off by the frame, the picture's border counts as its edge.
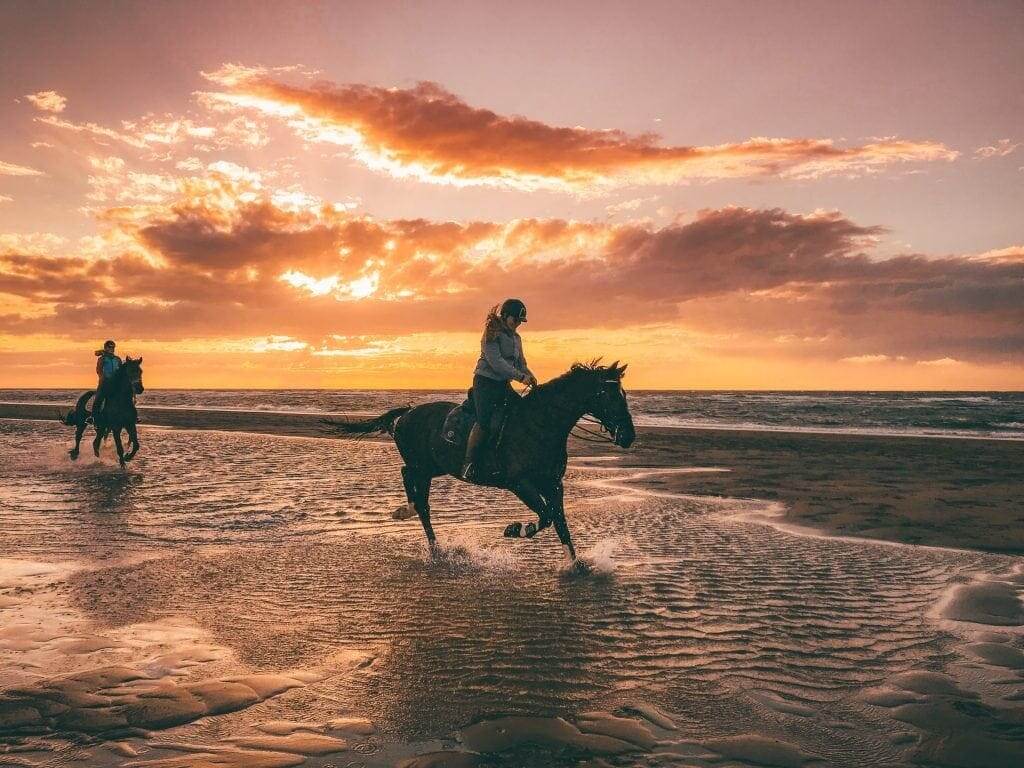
(513, 308)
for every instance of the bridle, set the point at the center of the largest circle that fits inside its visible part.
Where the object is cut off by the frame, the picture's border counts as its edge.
(605, 435)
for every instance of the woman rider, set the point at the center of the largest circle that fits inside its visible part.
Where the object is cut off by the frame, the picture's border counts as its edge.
(107, 364)
(501, 361)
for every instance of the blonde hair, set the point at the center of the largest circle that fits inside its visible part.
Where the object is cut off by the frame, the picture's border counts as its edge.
(493, 325)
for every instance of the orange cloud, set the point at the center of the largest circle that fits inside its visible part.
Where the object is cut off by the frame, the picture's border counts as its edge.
(222, 255)
(47, 101)
(428, 133)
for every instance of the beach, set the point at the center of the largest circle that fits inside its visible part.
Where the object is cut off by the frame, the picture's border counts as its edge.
(242, 595)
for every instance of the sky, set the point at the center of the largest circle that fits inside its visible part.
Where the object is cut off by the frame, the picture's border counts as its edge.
(780, 195)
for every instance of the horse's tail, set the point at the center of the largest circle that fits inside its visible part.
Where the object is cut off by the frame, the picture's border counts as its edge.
(383, 423)
(80, 413)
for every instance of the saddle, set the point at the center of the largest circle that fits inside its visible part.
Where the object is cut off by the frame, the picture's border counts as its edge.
(460, 421)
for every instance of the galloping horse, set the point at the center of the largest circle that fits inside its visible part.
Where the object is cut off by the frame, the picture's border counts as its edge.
(118, 413)
(531, 451)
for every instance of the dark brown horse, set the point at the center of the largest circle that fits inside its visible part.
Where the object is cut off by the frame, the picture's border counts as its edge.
(531, 451)
(118, 414)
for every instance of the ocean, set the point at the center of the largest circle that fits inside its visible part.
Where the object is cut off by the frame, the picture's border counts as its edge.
(941, 414)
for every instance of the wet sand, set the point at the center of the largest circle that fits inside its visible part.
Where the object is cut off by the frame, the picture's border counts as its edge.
(946, 492)
(950, 492)
(246, 599)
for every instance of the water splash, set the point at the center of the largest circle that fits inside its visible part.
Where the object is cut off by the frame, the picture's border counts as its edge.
(601, 557)
(461, 553)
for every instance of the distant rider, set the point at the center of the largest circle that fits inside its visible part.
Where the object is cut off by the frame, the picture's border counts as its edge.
(501, 360)
(107, 364)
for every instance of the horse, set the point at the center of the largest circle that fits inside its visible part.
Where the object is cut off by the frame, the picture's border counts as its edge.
(118, 413)
(530, 452)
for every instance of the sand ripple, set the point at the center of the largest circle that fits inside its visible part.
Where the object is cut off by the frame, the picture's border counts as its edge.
(700, 637)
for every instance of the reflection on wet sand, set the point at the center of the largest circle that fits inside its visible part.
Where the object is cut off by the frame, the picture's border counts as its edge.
(271, 612)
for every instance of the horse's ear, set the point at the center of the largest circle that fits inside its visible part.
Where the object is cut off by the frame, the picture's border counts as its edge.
(613, 366)
(622, 370)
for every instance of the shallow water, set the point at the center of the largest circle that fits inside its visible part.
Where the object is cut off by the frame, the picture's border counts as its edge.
(941, 414)
(700, 637)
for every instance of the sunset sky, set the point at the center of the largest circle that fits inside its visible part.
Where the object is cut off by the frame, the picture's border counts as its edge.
(725, 195)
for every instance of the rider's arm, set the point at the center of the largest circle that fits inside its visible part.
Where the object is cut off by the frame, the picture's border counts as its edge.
(501, 366)
(526, 368)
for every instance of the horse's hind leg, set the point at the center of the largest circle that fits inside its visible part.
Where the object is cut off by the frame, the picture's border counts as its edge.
(101, 432)
(408, 509)
(420, 498)
(79, 431)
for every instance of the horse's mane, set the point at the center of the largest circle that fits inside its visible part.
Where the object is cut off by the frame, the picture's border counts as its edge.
(122, 371)
(575, 373)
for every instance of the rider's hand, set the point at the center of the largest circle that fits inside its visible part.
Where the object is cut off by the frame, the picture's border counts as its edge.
(530, 380)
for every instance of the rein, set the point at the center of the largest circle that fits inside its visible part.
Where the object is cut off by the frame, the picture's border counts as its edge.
(595, 437)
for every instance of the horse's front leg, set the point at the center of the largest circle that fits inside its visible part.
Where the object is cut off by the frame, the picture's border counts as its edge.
(120, 448)
(101, 432)
(133, 437)
(531, 494)
(557, 510)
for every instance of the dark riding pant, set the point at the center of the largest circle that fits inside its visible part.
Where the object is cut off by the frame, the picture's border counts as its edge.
(99, 400)
(490, 398)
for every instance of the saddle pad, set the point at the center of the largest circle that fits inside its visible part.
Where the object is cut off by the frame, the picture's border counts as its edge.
(458, 423)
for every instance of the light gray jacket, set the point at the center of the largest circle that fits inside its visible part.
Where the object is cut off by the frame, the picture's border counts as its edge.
(502, 358)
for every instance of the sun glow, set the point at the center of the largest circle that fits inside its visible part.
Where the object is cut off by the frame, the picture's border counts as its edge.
(365, 286)
(317, 287)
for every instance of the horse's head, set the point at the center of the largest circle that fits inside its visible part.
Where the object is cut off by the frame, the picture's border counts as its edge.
(608, 404)
(133, 370)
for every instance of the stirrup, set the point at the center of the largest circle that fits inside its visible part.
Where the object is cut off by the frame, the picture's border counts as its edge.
(468, 471)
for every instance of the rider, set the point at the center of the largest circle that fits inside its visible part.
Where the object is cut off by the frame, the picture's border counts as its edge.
(501, 360)
(107, 364)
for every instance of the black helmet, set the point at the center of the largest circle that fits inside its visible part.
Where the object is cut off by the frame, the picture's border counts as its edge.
(513, 308)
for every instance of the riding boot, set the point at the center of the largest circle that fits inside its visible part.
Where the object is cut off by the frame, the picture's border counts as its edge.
(474, 452)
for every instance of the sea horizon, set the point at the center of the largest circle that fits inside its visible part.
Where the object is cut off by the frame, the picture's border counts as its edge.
(972, 414)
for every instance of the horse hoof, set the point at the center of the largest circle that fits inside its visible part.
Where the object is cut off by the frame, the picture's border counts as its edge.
(73, 454)
(531, 530)
(579, 568)
(513, 530)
